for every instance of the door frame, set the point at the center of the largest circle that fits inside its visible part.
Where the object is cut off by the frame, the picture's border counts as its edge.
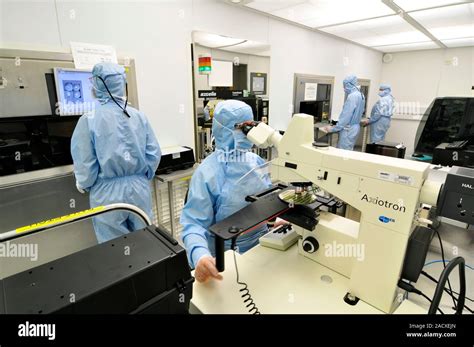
(320, 79)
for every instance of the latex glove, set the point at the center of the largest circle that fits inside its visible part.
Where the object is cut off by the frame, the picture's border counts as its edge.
(279, 222)
(82, 191)
(206, 269)
(327, 129)
(364, 122)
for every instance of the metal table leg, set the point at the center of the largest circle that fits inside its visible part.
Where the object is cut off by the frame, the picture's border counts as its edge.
(157, 199)
(171, 201)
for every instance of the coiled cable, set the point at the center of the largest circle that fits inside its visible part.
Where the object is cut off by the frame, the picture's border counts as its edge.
(245, 292)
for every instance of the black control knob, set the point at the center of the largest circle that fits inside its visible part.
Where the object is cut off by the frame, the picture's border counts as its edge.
(310, 244)
(233, 230)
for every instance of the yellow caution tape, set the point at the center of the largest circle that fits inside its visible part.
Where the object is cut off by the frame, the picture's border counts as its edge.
(56, 220)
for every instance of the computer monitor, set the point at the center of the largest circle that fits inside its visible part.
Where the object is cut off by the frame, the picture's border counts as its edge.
(446, 120)
(252, 102)
(74, 91)
(318, 109)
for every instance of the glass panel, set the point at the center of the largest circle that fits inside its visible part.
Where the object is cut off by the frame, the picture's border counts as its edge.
(441, 123)
(35, 143)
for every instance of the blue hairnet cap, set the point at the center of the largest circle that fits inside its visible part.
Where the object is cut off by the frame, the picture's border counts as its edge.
(114, 77)
(350, 80)
(107, 69)
(385, 86)
(228, 113)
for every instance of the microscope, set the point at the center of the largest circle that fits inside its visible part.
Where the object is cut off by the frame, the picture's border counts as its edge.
(392, 195)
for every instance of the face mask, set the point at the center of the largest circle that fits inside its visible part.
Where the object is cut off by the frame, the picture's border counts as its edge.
(348, 88)
(207, 115)
(94, 91)
(384, 92)
(241, 142)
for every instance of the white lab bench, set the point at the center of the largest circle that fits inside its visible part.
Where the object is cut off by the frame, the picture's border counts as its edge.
(286, 282)
(280, 282)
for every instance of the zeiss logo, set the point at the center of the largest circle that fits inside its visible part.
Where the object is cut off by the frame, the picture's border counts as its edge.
(465, 185)
(384, 219)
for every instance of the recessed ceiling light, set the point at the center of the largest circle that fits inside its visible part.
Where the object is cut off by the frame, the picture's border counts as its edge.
(383, 31)
(320, 13)
(407, 47)
(411, 5)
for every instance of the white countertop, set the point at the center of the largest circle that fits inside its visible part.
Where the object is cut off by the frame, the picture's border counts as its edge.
(279, 282)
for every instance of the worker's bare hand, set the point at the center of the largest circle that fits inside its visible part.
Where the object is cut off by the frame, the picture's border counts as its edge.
(364, 122)
(206, 269)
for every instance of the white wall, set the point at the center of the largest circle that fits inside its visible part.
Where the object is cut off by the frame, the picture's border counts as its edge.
(296, 50)
(157, 33)
(419, 77)
(293, 50)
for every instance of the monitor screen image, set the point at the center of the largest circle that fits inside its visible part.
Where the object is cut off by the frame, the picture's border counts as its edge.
(74, 91)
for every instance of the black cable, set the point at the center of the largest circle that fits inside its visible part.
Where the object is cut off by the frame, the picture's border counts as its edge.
(124, 109)
(446, 290)
(444, 264)
(460, 262)
(251, 307)
(411, 289)
(428, 298)
(427, 275)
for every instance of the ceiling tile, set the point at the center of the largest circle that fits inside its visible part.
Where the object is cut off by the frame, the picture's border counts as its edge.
(448, 22)
(374, 24)
(269, 5)
(407, 47)
(410, 5)
(377, 32)
(317, 13)
(453, 32)
(468, 41)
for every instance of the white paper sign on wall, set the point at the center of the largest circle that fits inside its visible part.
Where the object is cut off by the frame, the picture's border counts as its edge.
(222, 74)
(86, 55)
(310, 91)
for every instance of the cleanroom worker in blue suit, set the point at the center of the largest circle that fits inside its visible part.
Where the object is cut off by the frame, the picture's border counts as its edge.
(381, 114)
(115, 154)
(348, 125)
(219, 186)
